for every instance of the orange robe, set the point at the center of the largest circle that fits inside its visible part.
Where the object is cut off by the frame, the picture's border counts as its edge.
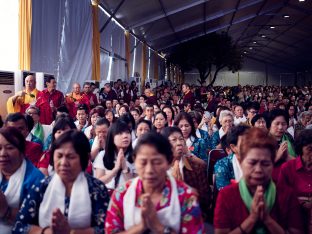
(21, 104)
(72, 100)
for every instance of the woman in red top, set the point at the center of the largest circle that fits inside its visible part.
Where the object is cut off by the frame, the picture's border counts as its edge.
(255, 204)
(297, 174)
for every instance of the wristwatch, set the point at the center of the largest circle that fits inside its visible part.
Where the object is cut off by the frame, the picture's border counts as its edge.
(167, 230)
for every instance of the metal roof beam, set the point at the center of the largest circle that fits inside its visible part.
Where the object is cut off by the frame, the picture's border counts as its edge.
(233, 16)
(112, 16)
(215, 29)
(208, 19)
(162, 15)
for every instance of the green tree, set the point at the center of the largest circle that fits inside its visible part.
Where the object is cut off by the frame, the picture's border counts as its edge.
(208, 54)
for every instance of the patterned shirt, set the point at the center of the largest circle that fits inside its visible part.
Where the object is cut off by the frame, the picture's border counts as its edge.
(224, 172)
(191, 220)
(29, 212)
(199, 149)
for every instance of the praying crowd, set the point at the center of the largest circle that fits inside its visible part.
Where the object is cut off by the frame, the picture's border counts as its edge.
(168, 159)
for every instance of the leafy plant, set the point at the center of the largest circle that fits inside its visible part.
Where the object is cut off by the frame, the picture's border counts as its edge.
(208, 54)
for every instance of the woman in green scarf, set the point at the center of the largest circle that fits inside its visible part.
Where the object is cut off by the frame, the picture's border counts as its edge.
(278, 123)
(255, 204)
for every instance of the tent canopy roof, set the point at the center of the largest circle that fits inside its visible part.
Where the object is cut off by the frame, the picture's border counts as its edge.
(260, 27)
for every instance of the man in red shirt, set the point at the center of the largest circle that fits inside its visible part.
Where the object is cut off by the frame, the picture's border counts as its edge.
(212, 103)
(48, 101)
(91, 96)
(188, 95)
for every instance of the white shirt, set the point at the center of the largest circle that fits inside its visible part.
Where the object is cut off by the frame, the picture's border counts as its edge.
(238, 120)
(99, 164)
(221, 132)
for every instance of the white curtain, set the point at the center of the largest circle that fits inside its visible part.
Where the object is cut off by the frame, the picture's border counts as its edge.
(112, 40)
(62, 40)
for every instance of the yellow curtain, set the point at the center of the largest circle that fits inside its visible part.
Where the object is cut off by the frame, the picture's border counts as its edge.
(143, 73)
(127, 46)
(95, 42)
(24, 28)
(156, 66)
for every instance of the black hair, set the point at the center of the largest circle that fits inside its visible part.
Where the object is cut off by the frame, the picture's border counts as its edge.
(235, 132)
(188, 118)
(86, 83)
(49, 78)
(29, 122)
(126, 107)
(211, 92)
(196, 115)
(171, 109)
(142, 120)
(83, 107)
(149, 105)
(159, 142)
(253, 105)
(186, 104)
(110, 148)
(304, 138)
(62, 109)
(80, 143)
(136, 110)
(14, 137)
(128, 119)
(257, 117)
(14, 117)
(164, 115)
(273, 114)
(60, 124)
(186, 85)
(224, 143)
(110, 111)
(101, 121)
(166, 132)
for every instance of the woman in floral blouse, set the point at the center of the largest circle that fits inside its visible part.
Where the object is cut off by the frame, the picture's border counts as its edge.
(196, 145)
(154, 202)
(70, 200)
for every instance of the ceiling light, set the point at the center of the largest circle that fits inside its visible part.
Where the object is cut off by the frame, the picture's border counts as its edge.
(255, 42)
(272, 27)
(264, 36)
(286, 16)
(301, 0)
(245, 52)
(250, 48)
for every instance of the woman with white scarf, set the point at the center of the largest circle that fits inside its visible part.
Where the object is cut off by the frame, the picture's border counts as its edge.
(17, 175)
(154, 202)
(70, 200)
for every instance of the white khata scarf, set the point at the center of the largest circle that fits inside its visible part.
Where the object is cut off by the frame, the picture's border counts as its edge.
(13, 192)
(238, 173)
(79, 214)
(132, 214)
